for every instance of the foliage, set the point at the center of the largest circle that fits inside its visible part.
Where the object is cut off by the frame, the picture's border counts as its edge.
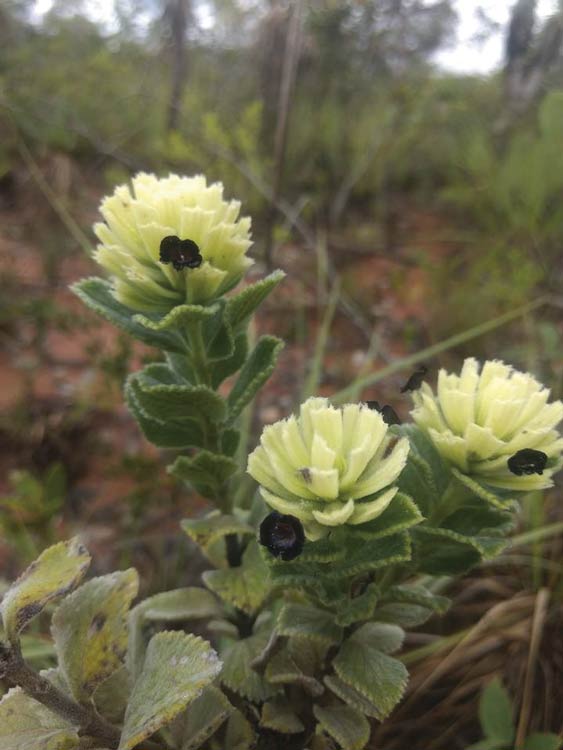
(307, 642)
(496, 716)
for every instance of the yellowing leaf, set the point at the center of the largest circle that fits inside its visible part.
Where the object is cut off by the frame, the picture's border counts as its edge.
(204, 717)
(244, 587)
(55, 573)
(90, 630)
(25, 724)
(239, 735)
(176, 669)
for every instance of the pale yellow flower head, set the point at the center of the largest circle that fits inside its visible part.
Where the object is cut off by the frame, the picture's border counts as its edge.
(328, 466)
(478, 420)
(137, 219)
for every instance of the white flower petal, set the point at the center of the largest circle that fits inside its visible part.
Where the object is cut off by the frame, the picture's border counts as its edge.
(335, 514)
(370, 509)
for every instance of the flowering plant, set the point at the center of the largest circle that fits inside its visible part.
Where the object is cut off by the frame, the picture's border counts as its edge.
(313, 580)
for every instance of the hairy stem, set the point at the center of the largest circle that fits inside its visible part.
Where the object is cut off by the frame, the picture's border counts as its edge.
(17, 673)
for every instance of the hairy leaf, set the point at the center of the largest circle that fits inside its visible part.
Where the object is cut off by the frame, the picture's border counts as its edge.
(296, 664)
(378, 677)
(213, 527)
(239, 735)
(278, 715)
(400, 514)
(190, 603)
(207, 471)
(416, 594)
(238, 674)
(309, 623)
(90, 630)
(25, 724)
(169, 434)
(349, 727)
(359, 608)
(96, 294)
(177, 667)
(256, 370)
(246, 586)
(204, 717)
(380, 636)
(352, 697)
(164, 401)
(55, 573)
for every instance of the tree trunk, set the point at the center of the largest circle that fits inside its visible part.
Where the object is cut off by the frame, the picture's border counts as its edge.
(176, 15)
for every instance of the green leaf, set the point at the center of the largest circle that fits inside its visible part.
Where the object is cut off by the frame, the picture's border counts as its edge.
(206, 471)
(227, 366)
(416, 594)
(359, 557)
(55, 573)
(496, 714)
(180, 605)
(309, 623)
(191, 603)
(163, 402)
(112, 696)
(239, 735)
(400, 514)
(405, 615)
(297, 664)
(177, 667)
(442, 551)
(352, 697)
(424, 448)
(278, 716)
(380, 636)
(170, 434)
(238, 674)
(347, 726)
(96, 294)
(204, 717)
(256, 370)
(25, 724)
(179, 318)
(242, 305)
(213, 527)
(229, 442)
(90, 630)
(488, 494)
(359, 608)
(378, 677)
(542, 741)
(245, 587)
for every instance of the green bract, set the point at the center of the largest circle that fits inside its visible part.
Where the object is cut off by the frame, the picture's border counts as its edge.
(138, 219)
(478, 420)
(329, 466)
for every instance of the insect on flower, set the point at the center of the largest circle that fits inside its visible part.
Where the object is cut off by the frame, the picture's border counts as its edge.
(527, 461)
(283, 535)
(415, 380)
(181, 253)
(389, 414)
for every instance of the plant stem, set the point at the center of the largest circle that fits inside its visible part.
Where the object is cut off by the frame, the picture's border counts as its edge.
(18, 674)
(198, 353)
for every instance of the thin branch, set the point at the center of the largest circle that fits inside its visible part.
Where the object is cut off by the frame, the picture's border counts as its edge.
(17, 673)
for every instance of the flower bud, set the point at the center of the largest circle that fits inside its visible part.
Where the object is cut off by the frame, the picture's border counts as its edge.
(329, 466)
(487, 422)
(148, 231)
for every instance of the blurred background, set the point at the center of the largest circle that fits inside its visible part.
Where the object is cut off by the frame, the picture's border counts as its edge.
(402, 161)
